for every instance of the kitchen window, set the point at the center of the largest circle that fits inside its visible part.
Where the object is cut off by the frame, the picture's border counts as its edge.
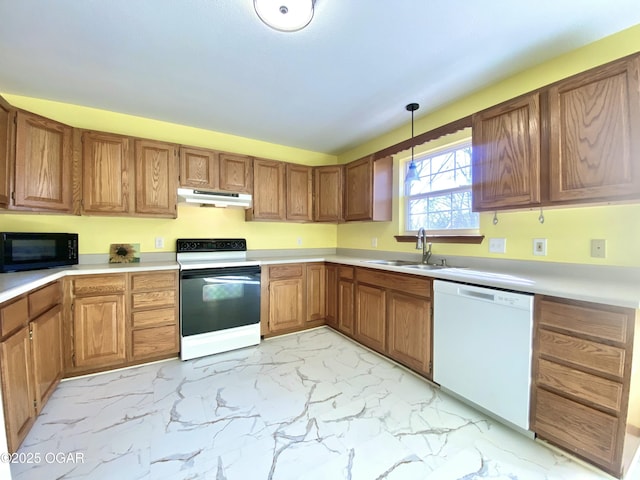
(440, 200)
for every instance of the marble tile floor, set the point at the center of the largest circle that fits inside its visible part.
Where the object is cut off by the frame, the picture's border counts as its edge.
(312, 405)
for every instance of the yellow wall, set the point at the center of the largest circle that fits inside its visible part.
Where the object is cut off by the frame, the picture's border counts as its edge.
(568, 231)
(97, 233)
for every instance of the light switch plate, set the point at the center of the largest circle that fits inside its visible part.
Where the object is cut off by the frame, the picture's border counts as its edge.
(497, 245)
(599, 248)
(540, 246)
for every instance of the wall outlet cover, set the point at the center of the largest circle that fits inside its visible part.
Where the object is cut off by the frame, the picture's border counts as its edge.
(497, 245)
(540, 246)
(374, 242)
(598, 248)
(159, 242)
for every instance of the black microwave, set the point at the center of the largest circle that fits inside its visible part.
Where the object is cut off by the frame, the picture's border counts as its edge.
(31, 251)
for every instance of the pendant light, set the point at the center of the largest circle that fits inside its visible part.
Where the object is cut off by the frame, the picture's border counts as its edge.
(412, 173)
(285, 15)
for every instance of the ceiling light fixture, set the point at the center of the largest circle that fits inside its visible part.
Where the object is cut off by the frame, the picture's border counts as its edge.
(412, 173)
(285, 15)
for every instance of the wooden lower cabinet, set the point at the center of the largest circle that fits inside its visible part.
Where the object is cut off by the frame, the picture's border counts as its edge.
(30, 358)
(346, 300)
(371, 326)
(331, 290)
(409, 331)
(584, 370)
(316, 292)
(99, 331)
(17, 387)
(285, 297)
(154, 315)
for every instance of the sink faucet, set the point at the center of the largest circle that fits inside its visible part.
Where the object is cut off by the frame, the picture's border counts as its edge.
(421, 243)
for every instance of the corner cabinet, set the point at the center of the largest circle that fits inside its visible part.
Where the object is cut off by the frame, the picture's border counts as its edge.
(595, 134)
(156, 178)
(585, 368)
(43, 176)
(30, 357)
(506, 155)
(368, 189)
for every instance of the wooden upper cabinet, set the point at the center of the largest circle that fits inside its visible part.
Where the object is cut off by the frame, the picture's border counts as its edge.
(107, 164)
(268, 191)
(6, 158)
(327, 188)
(595, 133)
(506, 155)
(199, 168)
(236, 174)
(156, 178)
(368, 187)
(299, 192)
(43, 164)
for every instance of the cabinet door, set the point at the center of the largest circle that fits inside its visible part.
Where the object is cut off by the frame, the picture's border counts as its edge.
(595, 134)
(327, 200)
(358, 196)
(156, 178)
(410, 331)
(345, 306)
(506, 155)
(47, 354)
(5, 152)
(43, 173)
(299, 193)
(286, 308)
(198, 168)
(99, 336)
(17, 387)
(316, 296)
(371, 314)
(332, 295)
(235, 173)
(107, 169)
(268, 191)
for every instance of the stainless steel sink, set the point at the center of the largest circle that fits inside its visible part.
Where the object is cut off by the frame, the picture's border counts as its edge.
(394, 263)
(423, 266)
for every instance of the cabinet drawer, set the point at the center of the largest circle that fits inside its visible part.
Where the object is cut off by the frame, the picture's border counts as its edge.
(346, 272)
(591, 388)
(582, 353)
(43, 299)
(595, 320)
(153, 299)
(99, 284)
(153, 281)
(157, 341)
(580, 429)
(152, 318)
(411, 284)
(286, 271)
(14, 316)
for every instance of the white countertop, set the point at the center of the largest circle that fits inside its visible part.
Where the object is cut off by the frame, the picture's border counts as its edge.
(617, 286)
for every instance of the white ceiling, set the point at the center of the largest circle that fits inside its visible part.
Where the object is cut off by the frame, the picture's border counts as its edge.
(343, 80)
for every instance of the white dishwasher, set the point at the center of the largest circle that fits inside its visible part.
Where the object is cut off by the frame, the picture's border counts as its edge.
(482, 343)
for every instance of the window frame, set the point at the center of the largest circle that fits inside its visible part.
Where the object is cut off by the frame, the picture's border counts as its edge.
(459, 232)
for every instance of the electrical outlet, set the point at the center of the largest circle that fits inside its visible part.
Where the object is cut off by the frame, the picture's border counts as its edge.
(497, 245)
(374, 242)
(598, 248)
(299, 241)
(159, 242)
(540, 246)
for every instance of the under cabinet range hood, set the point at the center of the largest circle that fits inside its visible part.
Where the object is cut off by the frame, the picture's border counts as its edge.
(194, 196)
